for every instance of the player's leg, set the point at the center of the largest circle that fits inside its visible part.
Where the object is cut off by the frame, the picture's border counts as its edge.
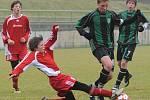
(102, 55)
(94, 91)
(121, 74)
(128, 57)
(15, 79)
(14, 61)
(111, 54)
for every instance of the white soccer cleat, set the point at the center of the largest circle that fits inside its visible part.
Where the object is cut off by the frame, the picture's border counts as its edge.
(115, 93)
(44, 98)
(17, 92)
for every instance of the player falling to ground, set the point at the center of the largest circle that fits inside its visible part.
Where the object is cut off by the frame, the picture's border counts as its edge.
(127, 41)
(41, 56)
(15, 34)
(101, 23)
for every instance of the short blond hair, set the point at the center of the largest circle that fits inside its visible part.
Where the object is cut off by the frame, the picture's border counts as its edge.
(99, 1)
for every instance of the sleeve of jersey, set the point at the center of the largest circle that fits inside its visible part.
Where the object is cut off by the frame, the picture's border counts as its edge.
(4, 32)
(50, 43)
(82, 24)
(143, 19)
(27, 34)
(24, 64)
(116, 18)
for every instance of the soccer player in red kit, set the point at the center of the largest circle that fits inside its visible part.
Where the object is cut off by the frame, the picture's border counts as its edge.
(15, 34)
(41, 56)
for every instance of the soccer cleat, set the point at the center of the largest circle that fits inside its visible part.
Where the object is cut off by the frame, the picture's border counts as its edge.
(16, 91)
(116, 92)
(44, 98)
(127, 78)
(92, 98)
(100, 98)
(114, 89)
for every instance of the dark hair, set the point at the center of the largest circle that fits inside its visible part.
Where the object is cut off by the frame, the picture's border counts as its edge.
(34, 42)
(15, 2)
(99, 1)
(132, 0)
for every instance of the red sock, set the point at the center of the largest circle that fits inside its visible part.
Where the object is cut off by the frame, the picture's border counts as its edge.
(58, 99)
(100, 91)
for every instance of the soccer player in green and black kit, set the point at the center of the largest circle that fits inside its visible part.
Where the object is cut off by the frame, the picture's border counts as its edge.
(127, 41)
(101, 24)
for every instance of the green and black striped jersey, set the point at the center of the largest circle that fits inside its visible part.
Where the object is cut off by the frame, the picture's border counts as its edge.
(101, 27)
(128, 34)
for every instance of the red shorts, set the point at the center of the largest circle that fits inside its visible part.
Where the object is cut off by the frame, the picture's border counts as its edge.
(14, 57)
(62, 83)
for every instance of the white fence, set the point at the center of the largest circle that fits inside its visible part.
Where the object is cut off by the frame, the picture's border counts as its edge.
(41, 20)
(72, 39)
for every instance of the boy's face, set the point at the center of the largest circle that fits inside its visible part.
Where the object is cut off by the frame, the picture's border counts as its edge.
(41, 47)
(16, 9)
(131, 5)
(102, 6)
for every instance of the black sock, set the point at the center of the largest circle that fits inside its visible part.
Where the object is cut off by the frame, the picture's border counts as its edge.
(127, 73)
(81, 86)
(69, 96)
(120, 77)
(103, 77)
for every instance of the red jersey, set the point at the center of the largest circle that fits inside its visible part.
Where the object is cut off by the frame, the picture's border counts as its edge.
(15, 29)
(43, 61)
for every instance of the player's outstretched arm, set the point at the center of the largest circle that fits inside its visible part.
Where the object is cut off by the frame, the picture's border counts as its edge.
(51, 41)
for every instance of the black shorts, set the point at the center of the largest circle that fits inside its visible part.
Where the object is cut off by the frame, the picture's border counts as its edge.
(103, 51)
(125, 52)
(111, 53)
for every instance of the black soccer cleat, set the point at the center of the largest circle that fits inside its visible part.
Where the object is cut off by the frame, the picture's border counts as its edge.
(100, 98)
(127, 78)
(44, 98)
(92, 98)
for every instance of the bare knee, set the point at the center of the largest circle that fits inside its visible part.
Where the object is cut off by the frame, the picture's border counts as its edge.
(124, 64)
(119, 64)
(110, 76)
(108, 67)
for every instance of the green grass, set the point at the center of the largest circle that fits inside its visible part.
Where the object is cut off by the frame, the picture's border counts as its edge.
(80, 63)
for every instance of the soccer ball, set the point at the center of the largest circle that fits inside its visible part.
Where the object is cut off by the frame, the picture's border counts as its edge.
(123, 96)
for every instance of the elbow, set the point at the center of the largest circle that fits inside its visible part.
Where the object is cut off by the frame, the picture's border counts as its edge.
(80, 30)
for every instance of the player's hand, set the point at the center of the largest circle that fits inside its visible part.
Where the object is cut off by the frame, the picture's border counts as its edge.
(55, 28)
(22, 40)
(140, 28)
(12, 75)
(10, 42)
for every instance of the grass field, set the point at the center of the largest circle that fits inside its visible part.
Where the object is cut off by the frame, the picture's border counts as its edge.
(84, 67)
